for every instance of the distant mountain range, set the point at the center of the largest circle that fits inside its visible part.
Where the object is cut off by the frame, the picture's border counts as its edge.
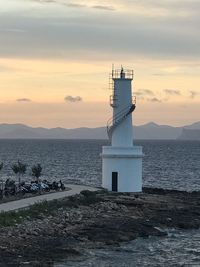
(147, 131)
(188, 134)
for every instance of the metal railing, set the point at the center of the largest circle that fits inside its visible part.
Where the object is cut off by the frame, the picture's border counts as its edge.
(134, 99)
(118, 118)
(117, 74)
(113, 101)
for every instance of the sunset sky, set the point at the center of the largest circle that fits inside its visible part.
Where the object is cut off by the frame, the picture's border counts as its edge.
(55, 57)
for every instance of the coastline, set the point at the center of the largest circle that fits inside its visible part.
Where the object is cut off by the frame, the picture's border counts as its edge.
(65, 228)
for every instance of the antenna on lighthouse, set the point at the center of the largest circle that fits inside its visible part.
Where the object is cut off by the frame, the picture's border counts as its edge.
(122, 74)
(113, 67)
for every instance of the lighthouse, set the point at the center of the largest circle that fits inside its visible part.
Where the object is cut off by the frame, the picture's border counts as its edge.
(122, 161)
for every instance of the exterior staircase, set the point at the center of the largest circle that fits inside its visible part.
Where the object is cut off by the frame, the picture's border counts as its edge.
(118, 119)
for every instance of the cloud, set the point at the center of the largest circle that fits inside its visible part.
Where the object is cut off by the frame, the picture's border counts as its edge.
(23, 100)
(154, 99)
(75, 5)
(73, 99)
(108, 8)
(193, 94)
(64, 33)
(147, 91)
(140, 98)
(146, 94)
(142, 92)
(172, 92)
(44, 1)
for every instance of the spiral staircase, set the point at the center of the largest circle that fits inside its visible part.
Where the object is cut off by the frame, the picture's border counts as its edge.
(118, 119)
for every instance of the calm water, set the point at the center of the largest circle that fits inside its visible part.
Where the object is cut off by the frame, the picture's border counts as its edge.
(167, 164)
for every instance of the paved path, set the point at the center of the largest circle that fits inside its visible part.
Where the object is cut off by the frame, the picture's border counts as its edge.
(26, 202)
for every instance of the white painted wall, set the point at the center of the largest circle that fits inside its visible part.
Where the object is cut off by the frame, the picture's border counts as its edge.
(122, 157)
(128, 163)
(123, 134)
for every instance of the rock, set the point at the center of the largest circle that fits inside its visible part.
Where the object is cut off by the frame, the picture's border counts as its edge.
(3, 248)
(161, 232)
(114, 218)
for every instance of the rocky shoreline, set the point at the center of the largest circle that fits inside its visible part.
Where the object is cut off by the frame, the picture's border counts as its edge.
(95, 220)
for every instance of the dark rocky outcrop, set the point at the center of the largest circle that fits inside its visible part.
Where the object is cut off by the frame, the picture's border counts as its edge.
(94, 220)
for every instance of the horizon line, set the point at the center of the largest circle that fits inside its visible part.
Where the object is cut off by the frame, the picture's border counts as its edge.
(134, 125)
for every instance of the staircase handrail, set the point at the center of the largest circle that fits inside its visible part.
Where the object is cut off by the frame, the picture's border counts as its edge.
(113, 119)
(120, 116)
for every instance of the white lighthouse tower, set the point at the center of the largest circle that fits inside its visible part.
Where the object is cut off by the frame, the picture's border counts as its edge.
(122, 161)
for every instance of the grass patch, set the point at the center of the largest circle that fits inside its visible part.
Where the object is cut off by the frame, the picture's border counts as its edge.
(33, 212)
(45, 208)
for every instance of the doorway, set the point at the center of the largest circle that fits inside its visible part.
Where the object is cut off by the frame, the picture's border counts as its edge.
(115, 181)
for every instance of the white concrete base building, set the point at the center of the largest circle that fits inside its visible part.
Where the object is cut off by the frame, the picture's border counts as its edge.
(122, 161)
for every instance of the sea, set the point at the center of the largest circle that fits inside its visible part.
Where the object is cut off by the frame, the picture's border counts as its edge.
(168, 164)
